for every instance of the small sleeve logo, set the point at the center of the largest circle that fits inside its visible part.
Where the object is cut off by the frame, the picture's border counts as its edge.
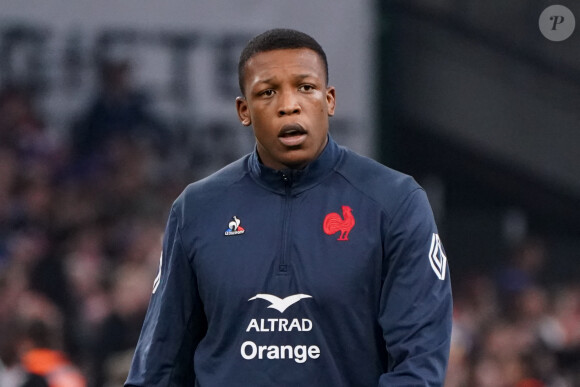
(158, 278)
(437, 257)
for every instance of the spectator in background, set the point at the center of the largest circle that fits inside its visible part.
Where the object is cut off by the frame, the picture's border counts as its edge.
(8, 176)
(118, 111)
(119, 331)
(42, 356)
(12, 373)
(23, 131)
(524, 269)
(20, 127)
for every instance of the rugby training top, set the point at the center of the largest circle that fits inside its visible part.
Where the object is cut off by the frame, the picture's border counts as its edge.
(333, 275)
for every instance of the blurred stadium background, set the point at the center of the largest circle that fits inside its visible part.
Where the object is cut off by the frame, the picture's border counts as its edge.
(109, 109)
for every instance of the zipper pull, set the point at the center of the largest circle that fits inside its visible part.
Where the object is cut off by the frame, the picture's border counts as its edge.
(286, 179)
(287, 182)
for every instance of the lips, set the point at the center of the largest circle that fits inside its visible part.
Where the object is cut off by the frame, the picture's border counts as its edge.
(290, 130)
(292, 135)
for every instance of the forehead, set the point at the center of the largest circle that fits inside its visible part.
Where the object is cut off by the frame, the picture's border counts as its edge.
(300, 60)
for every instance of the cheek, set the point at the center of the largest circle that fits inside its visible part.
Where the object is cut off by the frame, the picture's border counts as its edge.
(322, 107)
(259, 114)
(258, 124)
(262, 127)
(323, 112)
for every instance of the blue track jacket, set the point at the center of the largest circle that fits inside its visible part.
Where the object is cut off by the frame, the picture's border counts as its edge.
(330, 276)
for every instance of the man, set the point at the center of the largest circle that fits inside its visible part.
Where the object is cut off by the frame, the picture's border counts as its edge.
(301, 264)
(38, 344)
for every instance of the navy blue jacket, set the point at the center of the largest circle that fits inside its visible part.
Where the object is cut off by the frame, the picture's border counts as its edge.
(329, 276)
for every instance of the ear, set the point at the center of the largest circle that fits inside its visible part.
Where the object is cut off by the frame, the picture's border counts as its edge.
(243, 111)
(330, 100)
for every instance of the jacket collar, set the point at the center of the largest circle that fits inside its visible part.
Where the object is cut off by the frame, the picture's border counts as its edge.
(295, 180)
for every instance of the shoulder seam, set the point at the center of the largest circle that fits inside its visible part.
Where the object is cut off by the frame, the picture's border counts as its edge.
(178, 232)
(407, 198)
(383, 209)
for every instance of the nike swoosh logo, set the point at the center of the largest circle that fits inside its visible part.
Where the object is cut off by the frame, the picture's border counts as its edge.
(280, 304)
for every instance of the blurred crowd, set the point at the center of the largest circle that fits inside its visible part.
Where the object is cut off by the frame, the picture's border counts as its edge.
(512, 328)
(81, 223)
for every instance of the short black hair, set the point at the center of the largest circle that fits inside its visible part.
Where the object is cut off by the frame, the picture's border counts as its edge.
(278, 39)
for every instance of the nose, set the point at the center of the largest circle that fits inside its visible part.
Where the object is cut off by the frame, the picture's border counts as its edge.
(288, 104)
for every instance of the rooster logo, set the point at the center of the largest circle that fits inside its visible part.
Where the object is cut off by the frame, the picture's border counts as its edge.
(334, 223)
(280, 304)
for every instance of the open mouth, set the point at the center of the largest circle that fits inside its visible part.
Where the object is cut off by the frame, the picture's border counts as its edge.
(291, 130)
(292, 135)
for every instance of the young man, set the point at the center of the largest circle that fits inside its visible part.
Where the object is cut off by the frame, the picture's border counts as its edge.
(301, 264)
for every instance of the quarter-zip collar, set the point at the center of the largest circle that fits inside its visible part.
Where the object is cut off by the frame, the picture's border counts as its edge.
(298, 180)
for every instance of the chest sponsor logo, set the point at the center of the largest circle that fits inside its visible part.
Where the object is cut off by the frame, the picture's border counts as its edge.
(334, 223)
(285, 329)
(234, 227)
(280, 304)
(437, 257)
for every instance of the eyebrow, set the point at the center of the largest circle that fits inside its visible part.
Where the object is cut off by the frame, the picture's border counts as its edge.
(299, 76)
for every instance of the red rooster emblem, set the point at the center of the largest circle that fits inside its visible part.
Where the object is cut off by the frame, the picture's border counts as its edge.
(334, 223)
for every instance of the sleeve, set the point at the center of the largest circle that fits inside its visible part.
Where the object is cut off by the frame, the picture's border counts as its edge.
(174, 323)
(415, 303)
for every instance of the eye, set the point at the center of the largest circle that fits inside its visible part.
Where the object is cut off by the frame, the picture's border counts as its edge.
(306, 87)
(266, 93)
